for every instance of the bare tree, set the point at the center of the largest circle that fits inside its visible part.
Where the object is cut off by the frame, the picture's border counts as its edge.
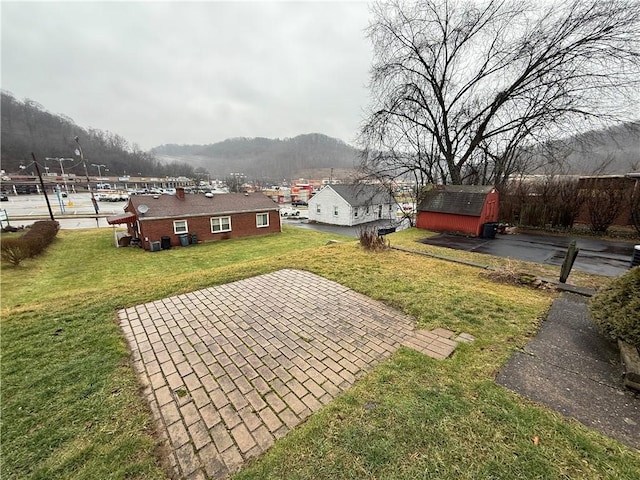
(604, 201)
(461, 90)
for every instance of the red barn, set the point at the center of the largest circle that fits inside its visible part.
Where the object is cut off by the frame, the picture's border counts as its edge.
(458, 208)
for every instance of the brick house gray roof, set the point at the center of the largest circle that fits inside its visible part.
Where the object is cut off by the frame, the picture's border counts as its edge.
(360, 195)
(196, 205)
(456, 199)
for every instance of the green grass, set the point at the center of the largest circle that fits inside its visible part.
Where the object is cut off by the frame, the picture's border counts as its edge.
(71, 406)
(410, 239)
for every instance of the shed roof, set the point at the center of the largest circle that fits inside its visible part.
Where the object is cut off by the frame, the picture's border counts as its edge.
(456, 199)
(359, 195)
(193, 205)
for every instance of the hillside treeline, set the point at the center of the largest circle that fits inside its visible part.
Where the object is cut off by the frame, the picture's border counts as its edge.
(266, 158)
(27, 127)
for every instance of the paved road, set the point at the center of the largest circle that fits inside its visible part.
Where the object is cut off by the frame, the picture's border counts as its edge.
(70, 212)
(347, 231)
(230, 369)
(596, 256)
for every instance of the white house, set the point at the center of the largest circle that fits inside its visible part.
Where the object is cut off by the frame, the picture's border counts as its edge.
(351, 204)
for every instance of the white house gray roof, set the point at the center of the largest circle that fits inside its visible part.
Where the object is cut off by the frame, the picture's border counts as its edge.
(456, 199)
(360, 195)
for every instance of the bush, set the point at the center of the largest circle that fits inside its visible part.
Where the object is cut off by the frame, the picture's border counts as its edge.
(14, 250)
(615, 309)
(32, 243)
(40, 236)
(370, 239)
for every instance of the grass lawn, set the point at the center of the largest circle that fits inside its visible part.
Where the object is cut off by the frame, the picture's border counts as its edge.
(71, 406)
(409, 239)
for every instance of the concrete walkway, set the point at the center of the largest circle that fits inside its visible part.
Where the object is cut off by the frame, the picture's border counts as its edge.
(230, 369)
(574, 370)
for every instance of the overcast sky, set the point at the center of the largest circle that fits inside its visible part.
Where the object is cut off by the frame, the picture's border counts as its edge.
(192, 72)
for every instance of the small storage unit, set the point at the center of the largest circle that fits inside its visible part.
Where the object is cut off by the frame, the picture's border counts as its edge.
(154, 246)
(465, 209)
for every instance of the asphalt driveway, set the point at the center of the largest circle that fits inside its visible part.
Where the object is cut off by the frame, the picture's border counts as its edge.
(601, 257)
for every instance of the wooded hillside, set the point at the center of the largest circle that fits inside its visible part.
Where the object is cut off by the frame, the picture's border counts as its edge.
(265, 158)
(28, 127)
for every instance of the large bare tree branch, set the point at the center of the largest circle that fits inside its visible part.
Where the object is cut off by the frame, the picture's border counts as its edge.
(485, 80)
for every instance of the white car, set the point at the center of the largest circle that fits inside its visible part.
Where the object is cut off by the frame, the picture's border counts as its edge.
(289, 212)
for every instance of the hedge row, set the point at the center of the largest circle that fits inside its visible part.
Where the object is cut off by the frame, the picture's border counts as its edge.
(616, 308)
(16, 249)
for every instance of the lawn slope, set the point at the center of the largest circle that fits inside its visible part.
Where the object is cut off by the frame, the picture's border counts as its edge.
(71, 406)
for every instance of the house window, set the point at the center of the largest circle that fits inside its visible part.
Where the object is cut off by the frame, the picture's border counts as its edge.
(318, 208)
(355, 212)
(262, 220)
(220, 224)
(180, 226)
(368, 210)
(335, 211)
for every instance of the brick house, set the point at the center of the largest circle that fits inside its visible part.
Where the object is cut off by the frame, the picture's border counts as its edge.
(458, 208)
(167, 219)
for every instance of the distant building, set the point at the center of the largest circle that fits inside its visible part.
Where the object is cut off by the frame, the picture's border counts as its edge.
(351, 205)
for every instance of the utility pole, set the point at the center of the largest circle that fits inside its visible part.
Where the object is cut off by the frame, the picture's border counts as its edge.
(44, 190)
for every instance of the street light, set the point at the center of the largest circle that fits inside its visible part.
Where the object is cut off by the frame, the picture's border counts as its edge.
(86, 174)
(64, 178)
(98, 166)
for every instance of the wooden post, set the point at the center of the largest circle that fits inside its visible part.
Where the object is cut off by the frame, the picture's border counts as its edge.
(572, 253)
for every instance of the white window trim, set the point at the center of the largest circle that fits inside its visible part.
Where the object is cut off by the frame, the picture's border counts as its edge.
(318, 208)
(335, 211)
(219, 224)
(175, 229)
(258, 215)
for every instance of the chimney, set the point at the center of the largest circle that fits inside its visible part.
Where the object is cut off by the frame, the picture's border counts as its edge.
(180, 193)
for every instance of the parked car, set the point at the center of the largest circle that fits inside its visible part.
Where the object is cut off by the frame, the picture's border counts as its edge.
(4, 198)
(299, 203)
(289, 212)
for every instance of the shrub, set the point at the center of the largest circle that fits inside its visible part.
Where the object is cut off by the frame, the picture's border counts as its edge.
(40, 236)
(370, 239)
(14, 250)
(509, 274)
(32, 243)
(615, 309)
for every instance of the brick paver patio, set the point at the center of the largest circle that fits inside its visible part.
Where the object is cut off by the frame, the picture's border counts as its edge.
(230, 369)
